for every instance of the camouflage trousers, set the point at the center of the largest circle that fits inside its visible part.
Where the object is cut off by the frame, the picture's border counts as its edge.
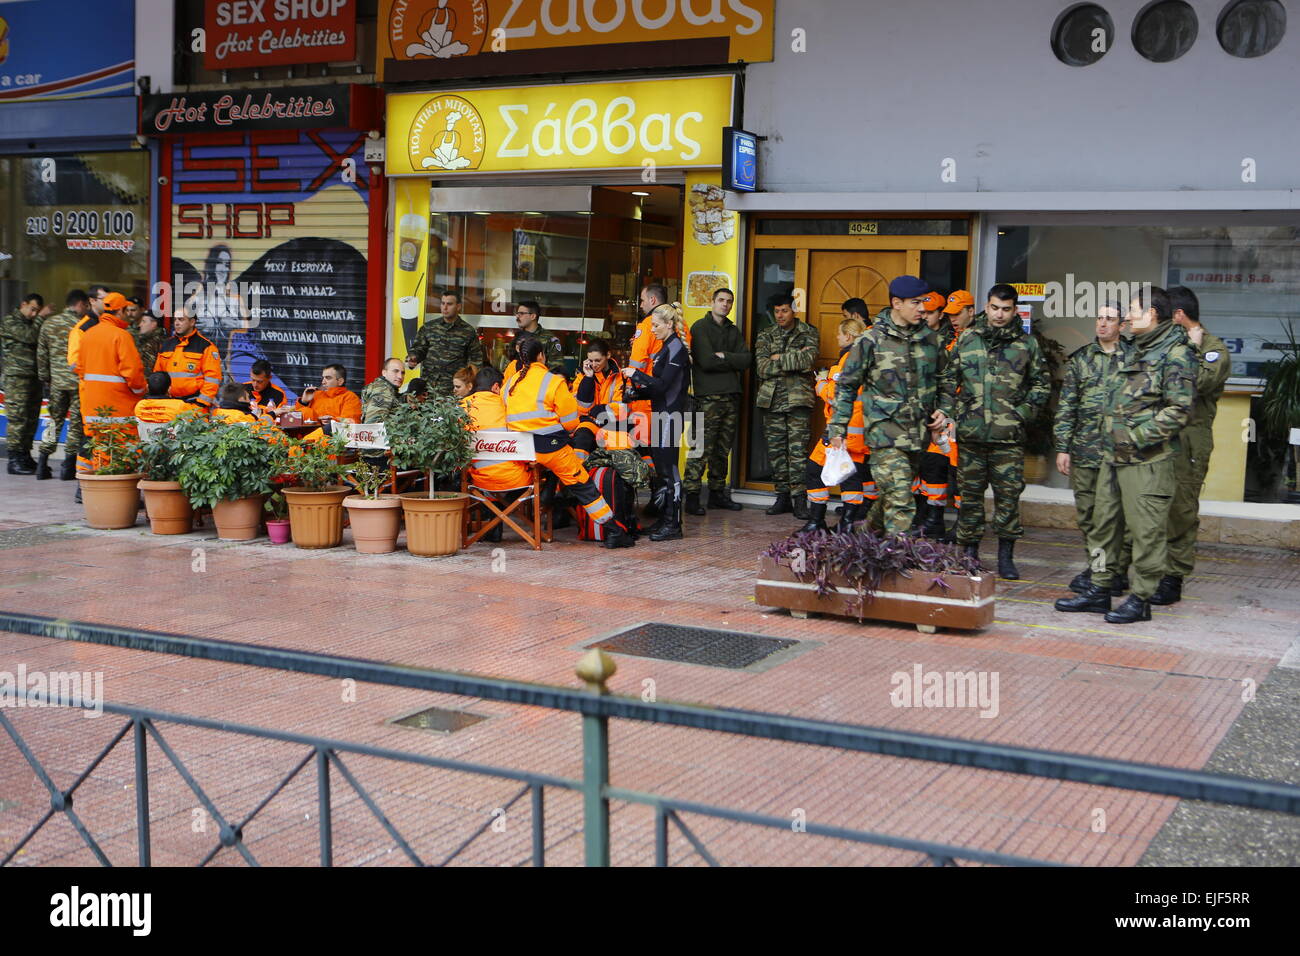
(788, 436)
(23, 409)
(1083, 482)
(1190, 465)
(721, 416)
(61, 402)
(1133, 500)
(981, 465)
(893, 468)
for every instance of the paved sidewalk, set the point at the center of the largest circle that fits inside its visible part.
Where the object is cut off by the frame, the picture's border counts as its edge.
(1166, 692)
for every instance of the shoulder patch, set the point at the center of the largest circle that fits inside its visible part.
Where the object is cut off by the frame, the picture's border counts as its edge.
(636, 335)
(1211, 356)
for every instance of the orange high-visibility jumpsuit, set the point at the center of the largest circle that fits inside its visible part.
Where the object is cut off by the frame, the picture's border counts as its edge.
(194, 365)
(160, 410)
(487, 410)
(856, 487)
(112, 381)
(600, 403)
(338, 402)
(929, 482)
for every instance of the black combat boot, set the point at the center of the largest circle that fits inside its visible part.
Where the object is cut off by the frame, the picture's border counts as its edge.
(28, 459)
(19, 467)
(1006, 563)
(816, 517)
(1133, 609)
(1118, 584)
(43, 472)
(918, 516)
(782, 505)
(972, 550)
(654, 507)
(693, 506)
(933, 527)
(1082, 581)
(721, 498)
(799, 505)
(1095, 599)
(658, 506)
(851, 515)
(1168, 591)
(616, 536)
(68, 470)
(671, 530)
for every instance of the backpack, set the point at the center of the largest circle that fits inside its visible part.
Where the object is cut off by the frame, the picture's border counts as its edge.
(618, 494)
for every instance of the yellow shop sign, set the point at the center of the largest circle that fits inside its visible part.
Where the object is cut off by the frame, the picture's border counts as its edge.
(626, 125)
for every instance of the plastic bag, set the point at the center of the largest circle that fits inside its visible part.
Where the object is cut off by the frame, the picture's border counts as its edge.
(839, 465)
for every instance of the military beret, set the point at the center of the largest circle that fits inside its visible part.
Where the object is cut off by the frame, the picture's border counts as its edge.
(908, 287)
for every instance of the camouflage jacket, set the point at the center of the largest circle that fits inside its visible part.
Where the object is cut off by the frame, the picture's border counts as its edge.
(896, 368)
(18, 336)
(994, 382)
(146, 343)
(377, 400)
(1213, 366)
(788, 382)
(554, 352)
(1150, 397)
(1088, 375)
(444, 349)
(52, 351)
(630, 466)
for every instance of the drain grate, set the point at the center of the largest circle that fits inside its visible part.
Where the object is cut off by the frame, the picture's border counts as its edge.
(694, 645)
(439, 720)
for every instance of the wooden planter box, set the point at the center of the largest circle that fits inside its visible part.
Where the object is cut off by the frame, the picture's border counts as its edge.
(967, 603)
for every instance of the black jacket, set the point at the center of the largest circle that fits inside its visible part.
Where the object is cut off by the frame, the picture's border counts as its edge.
(668, 388)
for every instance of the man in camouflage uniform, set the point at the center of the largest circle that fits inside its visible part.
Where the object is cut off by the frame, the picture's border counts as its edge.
(1195, 444)
(1089, 373)
(1149, 403)
(148, 335)
(527, 317)
(895, 363)
(19, 331)
(784, 354)
(381, 396)
(445, 347)
(994, 382)
(57, 375)
(718, 357)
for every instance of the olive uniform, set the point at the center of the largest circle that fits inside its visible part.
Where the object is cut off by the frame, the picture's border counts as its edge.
(147, 343)
(378, 399)
(53, 368)
(443, 349)
(786, 395)
(1213, 366)
(22, 385)
(896, 367)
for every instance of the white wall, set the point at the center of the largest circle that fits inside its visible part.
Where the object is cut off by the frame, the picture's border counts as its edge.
(154, 26)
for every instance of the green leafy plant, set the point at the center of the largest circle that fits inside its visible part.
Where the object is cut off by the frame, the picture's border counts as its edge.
(229, 463)
(369, 479)
(433, 436)
(277, 507)
(114, 446)
(162, 456)
(1279, 405)
(315, 465)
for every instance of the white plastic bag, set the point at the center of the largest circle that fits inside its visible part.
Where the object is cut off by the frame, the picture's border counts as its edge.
(838, 467)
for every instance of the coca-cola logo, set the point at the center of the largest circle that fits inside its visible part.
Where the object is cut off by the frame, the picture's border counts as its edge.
(503, 447)
(362, 435)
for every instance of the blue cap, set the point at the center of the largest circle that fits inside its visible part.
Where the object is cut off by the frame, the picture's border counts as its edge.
(908, 287)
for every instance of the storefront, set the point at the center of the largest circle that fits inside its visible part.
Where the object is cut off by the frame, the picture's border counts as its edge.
(276, 238)
(574, 196)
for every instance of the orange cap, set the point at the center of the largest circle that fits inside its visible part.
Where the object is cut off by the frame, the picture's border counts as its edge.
(114, 302)
(932, 301)
(958, 301)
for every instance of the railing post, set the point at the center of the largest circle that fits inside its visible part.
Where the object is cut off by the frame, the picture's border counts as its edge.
(595, 668)
(141, 792)
(323, 807)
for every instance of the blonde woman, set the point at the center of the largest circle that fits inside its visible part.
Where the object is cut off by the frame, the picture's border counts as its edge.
(666, 387)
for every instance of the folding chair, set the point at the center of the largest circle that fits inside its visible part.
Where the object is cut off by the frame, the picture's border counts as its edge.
(498, 445)
(372, 439)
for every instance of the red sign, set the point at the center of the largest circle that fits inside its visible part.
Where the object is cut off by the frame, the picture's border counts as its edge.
(278, 32)
(510, 447)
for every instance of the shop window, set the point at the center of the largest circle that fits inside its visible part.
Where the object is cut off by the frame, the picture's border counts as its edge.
(774, 275)
(945, 271)
(1082, 35)
(1249, 28)
(1165, 30)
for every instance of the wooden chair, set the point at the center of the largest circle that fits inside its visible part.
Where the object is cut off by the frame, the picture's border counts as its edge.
(500, 445)
(373, 439)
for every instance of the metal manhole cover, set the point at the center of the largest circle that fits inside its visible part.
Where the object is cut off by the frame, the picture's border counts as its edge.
(35, 535)
(439, 720)
(694, 645)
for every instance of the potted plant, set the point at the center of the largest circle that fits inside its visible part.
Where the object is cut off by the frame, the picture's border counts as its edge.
(1279, 407)
(316, 497)
(230, 471)
(109, 492)
(435, 437)
(884, 577)
(277, 526)
(376, 518)
(161, 457)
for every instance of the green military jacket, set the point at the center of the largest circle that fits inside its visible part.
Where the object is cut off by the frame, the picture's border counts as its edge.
(711, 375)
(1213, 366)
(378, 399)
(146, 343)
(18, 337)
(1088, 375)
(52, 352)
(444, 349)
(788, 382)
(1150, 397)
(896, 367)
(993, 383)
(553, 353)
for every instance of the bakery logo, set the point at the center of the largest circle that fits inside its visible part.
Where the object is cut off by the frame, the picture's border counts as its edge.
(437, 29)
(447, 133)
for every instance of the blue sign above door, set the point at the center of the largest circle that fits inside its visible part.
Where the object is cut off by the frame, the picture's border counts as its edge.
(66, 49)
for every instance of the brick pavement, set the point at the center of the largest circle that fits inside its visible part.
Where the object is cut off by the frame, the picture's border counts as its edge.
(1165, 692)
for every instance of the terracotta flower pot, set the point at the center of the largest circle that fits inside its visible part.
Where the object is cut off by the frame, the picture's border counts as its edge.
(238, 520)
(111, 501)
(168, 508)
(433, 525)
(375, 522)
(316, 517)
(277, 529)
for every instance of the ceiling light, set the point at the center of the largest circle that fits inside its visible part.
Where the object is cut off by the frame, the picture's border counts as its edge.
(638, 192)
